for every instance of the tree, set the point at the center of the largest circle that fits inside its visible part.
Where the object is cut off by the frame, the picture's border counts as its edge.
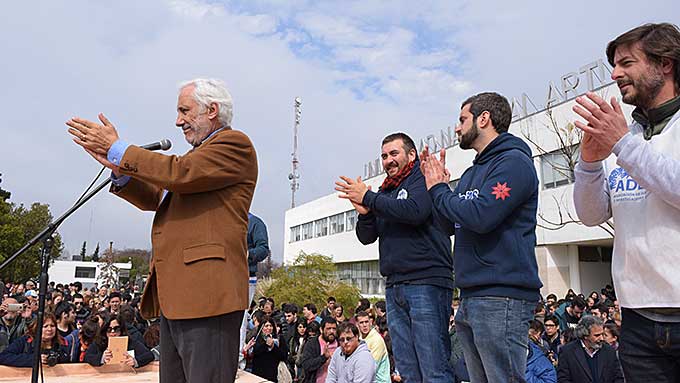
(264, 269)
(83, 251)
(4, 194)
(18, 225)
(95, 255)
(109, 272)
(140, 259)
(311, 279)
(568, 139)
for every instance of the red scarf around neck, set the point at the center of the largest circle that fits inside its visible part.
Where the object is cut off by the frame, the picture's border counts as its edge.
(391, 183)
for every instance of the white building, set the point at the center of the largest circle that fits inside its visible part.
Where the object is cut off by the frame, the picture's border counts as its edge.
(87, 273)
(569, 255)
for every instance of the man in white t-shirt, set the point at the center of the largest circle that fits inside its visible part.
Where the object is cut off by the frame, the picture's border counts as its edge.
(640, 189)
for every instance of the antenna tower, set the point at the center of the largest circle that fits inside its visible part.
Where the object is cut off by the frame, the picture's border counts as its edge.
(294, 175)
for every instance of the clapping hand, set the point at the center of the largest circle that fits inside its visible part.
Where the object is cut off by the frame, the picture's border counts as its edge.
(434, 169)
(354, 191)
(606, 126)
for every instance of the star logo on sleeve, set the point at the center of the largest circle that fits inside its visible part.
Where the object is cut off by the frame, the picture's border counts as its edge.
(501, 191)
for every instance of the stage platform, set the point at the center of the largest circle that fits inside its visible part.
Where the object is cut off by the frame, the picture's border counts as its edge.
(82, 373)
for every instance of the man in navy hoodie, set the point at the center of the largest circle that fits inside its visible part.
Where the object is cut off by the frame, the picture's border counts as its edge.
(415, 258)
(492, 213)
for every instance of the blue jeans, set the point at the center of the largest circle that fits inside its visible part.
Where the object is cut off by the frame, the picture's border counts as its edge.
(417, 316)
(649, 351)
(494, 332)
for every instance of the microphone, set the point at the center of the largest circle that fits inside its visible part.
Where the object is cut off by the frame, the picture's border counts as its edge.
(158, 145)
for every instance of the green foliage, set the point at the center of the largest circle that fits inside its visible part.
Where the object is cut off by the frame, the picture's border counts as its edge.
(83, 251)
(18, 225)
(95, 255)
(311, 279)
(140, 259)
(4, 194)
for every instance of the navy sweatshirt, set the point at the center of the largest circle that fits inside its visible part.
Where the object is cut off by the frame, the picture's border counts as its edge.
(258, 243)
(414, 246)
(493, 214)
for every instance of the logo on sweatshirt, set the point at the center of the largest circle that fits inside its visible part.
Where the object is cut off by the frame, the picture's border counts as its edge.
(403, 194)
(624, 188)
(501, 191)
(470, 194)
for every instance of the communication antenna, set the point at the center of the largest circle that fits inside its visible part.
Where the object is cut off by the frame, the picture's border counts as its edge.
(294, 175)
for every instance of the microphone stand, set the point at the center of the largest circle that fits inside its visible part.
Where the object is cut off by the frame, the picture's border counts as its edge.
(47, 240)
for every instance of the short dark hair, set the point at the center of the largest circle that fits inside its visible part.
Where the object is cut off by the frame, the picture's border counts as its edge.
(536, 325)
(348, 327)
(408, 143)
(497, 106)
(128, 313)
(602, 307)
(77, 295)
(78, 285)
(290, 308)
(331, 299)
(657, 41)
(115, 294)
(539, 307)
(258, 315)
(312, 327)
(553, 296)
(62, 308)
(361, 314)
(89, 331)
(552, 318)
(381, 306)
(364, 304)
(311, 307)
(328, 320)
(579, 302)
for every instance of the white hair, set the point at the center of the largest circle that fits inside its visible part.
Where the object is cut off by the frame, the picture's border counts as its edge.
(584, 325)
(208, 91)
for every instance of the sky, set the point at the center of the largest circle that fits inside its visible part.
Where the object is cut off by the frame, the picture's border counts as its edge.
(363, 69)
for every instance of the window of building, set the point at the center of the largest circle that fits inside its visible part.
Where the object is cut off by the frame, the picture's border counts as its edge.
(307, 230)
(321, 227)
(295, 232)
(337, 223)
(85, 272)
(555, 170)
(351, 220)
(365, 275)
(594, 254)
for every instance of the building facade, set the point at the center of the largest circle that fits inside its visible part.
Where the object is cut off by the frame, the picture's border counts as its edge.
(87, 273)
(569, 255)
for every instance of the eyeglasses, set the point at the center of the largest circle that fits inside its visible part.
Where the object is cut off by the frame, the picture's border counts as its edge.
(114, 329)
(343, 339)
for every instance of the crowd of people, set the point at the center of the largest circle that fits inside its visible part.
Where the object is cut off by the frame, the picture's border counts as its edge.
(320, 346)
(296, 344)
(76, 326)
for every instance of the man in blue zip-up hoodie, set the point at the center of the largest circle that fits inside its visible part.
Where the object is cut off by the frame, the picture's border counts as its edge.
(415, 257)
(492, 213)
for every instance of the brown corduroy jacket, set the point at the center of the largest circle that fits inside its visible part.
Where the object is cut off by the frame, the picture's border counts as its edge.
(199, 265)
